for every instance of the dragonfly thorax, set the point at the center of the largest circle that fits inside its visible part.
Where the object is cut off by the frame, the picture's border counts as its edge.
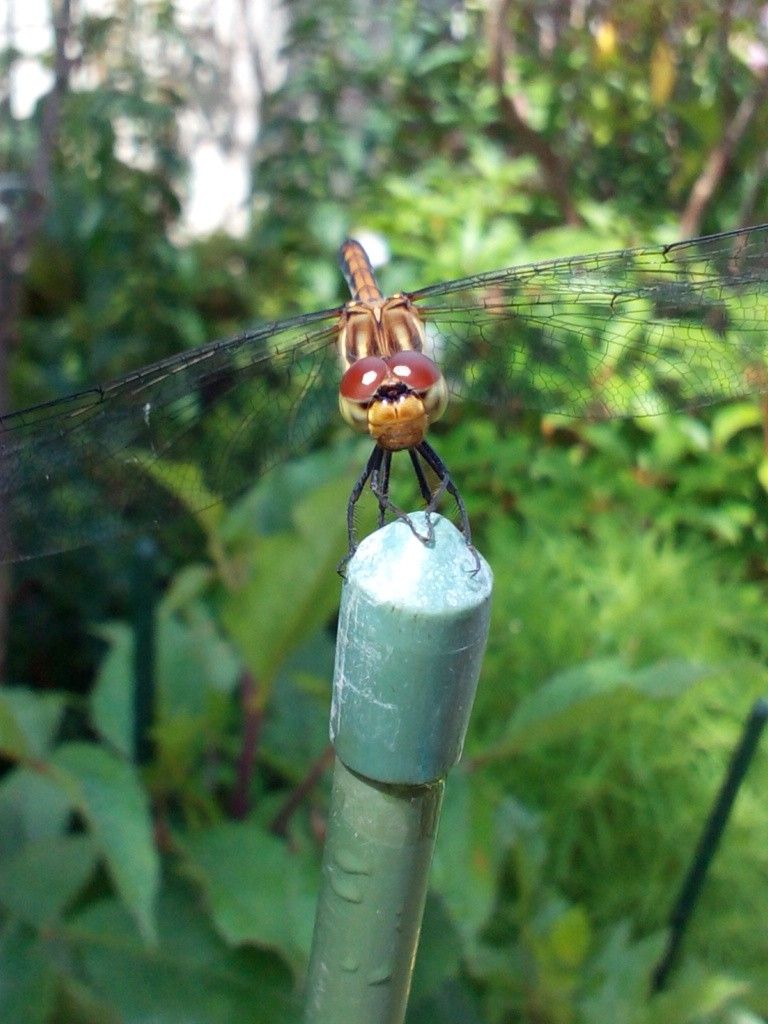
(379, 327)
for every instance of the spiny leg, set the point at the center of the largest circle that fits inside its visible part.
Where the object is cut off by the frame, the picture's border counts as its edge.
(432, 498)
(377, 471)
(436, 464)
(380, 484)
(439, 468)
(380, 489)
(372, 466)
(426, 491)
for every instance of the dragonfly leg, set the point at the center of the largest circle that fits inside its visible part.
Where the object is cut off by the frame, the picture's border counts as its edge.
(380, 485)
(371, 468)
(424, 487)
(380, 490)
(376, 473)
(439, 468)
(432, 498)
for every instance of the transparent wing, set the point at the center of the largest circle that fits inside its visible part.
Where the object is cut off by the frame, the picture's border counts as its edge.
(619, 333)
(180, 434)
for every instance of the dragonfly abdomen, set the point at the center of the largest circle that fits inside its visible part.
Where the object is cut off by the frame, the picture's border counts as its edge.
(358, 272)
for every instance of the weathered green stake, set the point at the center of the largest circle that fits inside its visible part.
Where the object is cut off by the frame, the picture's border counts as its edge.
(412, 631)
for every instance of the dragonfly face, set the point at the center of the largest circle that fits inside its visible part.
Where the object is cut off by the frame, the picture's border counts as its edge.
(625, 333)
(393, 399)
(389, 389)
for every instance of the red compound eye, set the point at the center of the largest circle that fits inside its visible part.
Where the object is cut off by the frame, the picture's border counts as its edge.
(414, 369)
(362, 379)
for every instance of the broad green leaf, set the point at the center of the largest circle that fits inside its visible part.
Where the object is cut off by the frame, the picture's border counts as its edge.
(32, 806)
(438, 957)
(193, 661)
(728, 522)
(269, 507)
(42, 879)
(183, 479)
(696, 996)
(621, 973)
(677, 437)
(190, 583)
(108, 793)
(762, 473)
(257, 890)
(587, 695)
(669, 678)
(462, 871)
(112, 708)
(293, 588)
(570, 936)
(28, 722)
(732, 419)
(13, 742)
(27, 979)
(190, 977)
(296, 728)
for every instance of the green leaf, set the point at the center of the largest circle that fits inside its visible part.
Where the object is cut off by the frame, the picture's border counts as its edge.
(32, 806)
(586, 695)
(112, 705)
(44, 877)
(762, 473)
(178, 477)
(438, 957)
(620, 976)
(293, 588)
(27, 982)
(13, 742)
(732, 419)
(569, 937)
(107, 792)
(621, 972)
(697, 996)
(191, 977)
(462, 871)
(193, 660)
(28, 722)
(296, 728)
(190, 583)
(257, 891)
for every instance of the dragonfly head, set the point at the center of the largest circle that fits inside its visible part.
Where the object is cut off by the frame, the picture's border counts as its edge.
(394, 399)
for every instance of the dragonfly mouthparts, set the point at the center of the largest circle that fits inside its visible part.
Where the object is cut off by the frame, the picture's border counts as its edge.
(392, 392)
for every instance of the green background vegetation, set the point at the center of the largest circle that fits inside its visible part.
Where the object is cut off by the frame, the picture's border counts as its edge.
(630, 624)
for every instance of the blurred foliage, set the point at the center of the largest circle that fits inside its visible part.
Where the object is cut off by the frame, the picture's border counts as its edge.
(629, 635)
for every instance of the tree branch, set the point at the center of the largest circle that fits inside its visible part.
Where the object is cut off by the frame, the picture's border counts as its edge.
(720, 158)
(556, 172)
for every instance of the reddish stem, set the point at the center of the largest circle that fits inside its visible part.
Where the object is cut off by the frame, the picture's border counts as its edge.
(253, 719)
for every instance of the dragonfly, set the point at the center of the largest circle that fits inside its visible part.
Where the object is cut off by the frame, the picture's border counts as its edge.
(629, 332)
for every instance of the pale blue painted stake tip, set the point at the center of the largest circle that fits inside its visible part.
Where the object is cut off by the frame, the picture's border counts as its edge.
(412, 631)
